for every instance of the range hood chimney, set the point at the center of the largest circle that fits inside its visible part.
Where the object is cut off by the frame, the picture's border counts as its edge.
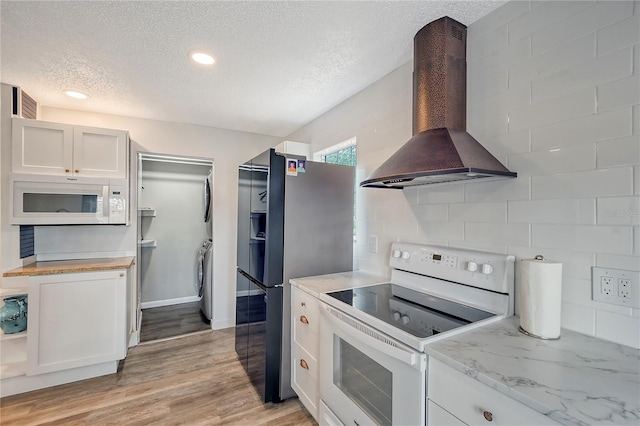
(441, 150)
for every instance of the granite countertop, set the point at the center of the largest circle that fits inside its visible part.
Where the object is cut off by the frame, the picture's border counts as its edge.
(575, 380)
(70, 266)
(318, 284)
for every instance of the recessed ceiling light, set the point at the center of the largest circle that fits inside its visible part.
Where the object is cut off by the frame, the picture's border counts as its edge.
(202, 58)
(76, 95)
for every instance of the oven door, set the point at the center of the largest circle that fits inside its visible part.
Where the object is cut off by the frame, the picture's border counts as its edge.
(368, 378)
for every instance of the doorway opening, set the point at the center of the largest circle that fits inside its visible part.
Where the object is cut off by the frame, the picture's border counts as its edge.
(175, 245)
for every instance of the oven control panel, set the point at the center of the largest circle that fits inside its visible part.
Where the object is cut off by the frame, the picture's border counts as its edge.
(491, 271)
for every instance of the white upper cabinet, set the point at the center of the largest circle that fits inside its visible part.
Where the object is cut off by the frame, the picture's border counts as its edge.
(43, 147)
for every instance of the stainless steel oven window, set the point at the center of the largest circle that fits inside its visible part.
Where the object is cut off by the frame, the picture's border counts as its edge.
(61, 203)
(367, 383)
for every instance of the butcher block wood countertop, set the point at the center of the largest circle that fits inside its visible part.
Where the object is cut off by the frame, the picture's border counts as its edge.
(70, 266)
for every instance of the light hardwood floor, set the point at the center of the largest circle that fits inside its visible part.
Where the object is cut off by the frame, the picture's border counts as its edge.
(191, 380)
(169, 321)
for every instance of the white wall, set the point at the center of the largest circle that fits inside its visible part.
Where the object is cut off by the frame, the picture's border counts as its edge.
(168, 271)
(226, 148)
(553, 92)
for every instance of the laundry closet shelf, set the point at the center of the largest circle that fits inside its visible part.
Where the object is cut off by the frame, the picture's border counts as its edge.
(146, 212)
(147, 243)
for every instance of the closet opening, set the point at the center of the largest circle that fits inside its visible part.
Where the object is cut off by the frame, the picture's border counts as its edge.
(175, 245)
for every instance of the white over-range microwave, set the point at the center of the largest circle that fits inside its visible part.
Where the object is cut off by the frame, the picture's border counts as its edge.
(62, 200)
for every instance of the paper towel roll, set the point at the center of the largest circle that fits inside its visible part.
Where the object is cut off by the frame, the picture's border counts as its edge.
(540, 297)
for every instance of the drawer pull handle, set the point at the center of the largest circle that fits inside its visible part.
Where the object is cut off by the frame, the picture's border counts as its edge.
(76, 171)
(304, 364)
(488, 416)
(303, 304)
(67, 170)
(304, 319)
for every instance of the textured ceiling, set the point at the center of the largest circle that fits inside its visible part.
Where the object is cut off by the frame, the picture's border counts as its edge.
(279, 64)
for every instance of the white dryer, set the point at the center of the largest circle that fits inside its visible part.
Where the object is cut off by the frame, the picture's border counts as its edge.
(208, 203)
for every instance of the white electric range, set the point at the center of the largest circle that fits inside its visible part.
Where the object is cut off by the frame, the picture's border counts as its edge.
(373, 338)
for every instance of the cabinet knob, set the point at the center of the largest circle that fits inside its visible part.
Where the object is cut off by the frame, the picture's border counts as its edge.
(76, 171)
(487, 416)
(304, 319)
(121, 274)
(304, 364)
(303, 304)
(67, 170)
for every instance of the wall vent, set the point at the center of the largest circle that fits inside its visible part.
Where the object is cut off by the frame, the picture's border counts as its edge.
(24, 105)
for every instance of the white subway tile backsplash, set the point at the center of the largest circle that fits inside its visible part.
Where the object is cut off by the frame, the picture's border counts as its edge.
(481, 45)
(621, 329)
(562, 211)
(478, 212)
(618, 152)
(565, 159)
(441, 194)
(636, 180)
(574, 105)
(636, 119)
(516, 97)
(544, 15)
(498, 18)
(481, 245)
(618, 211)
(573, 53)
(489, 85)
(636, 240)
(624, 92)
(500, 190)
(587, 21)
(602, 69)
(500, 233)
(575, 290)
(636, 59)
(583, 130)
(507, 144)
(439, 231)
(430, 212)
(605, 260)
(574, 264)
(614, 181)
(487, 123)
(618, 35)
(578, 318)
(402, 229)
(602, 239)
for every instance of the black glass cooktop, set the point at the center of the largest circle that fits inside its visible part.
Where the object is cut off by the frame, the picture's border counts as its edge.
(419, 314)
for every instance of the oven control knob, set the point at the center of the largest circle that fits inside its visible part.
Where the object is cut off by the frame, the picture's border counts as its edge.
(406, 255)
(405, 319)
(397, 253)
(396, 315)
(487, 268)
(472, 266)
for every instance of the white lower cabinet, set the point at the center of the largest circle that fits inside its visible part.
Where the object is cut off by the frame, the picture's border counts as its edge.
(76, 320)
(457, 399)
(305, 316)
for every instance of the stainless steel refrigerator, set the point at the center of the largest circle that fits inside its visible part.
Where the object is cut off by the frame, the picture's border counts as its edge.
(292, 222)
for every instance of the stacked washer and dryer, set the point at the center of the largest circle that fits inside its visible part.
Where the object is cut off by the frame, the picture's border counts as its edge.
(204, 262)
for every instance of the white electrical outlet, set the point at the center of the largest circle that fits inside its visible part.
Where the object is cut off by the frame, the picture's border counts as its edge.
(373, 243)
(616, 286)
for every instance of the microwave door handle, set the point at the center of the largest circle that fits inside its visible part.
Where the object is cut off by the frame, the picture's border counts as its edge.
(105, 201)
(405, 355)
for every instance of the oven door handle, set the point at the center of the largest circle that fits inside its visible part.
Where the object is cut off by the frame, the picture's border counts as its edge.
(373, 338)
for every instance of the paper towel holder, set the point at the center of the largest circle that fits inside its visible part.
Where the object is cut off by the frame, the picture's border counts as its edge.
(525, 332)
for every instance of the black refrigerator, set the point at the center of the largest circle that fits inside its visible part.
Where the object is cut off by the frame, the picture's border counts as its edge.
(295, 219)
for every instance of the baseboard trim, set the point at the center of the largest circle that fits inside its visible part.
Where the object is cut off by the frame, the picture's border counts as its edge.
(221, 324)
(169, 302)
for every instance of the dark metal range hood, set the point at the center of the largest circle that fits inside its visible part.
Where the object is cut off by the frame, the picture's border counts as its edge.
(441, 150)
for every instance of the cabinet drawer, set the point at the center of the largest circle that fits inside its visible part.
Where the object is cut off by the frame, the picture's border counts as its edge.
(475, 403)
(304, 381)
(305, 309)
(304, 336)
(438, 416)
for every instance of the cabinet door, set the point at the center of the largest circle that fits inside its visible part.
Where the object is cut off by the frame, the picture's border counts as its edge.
(41, 147)
(100, 152)
(76, 320)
